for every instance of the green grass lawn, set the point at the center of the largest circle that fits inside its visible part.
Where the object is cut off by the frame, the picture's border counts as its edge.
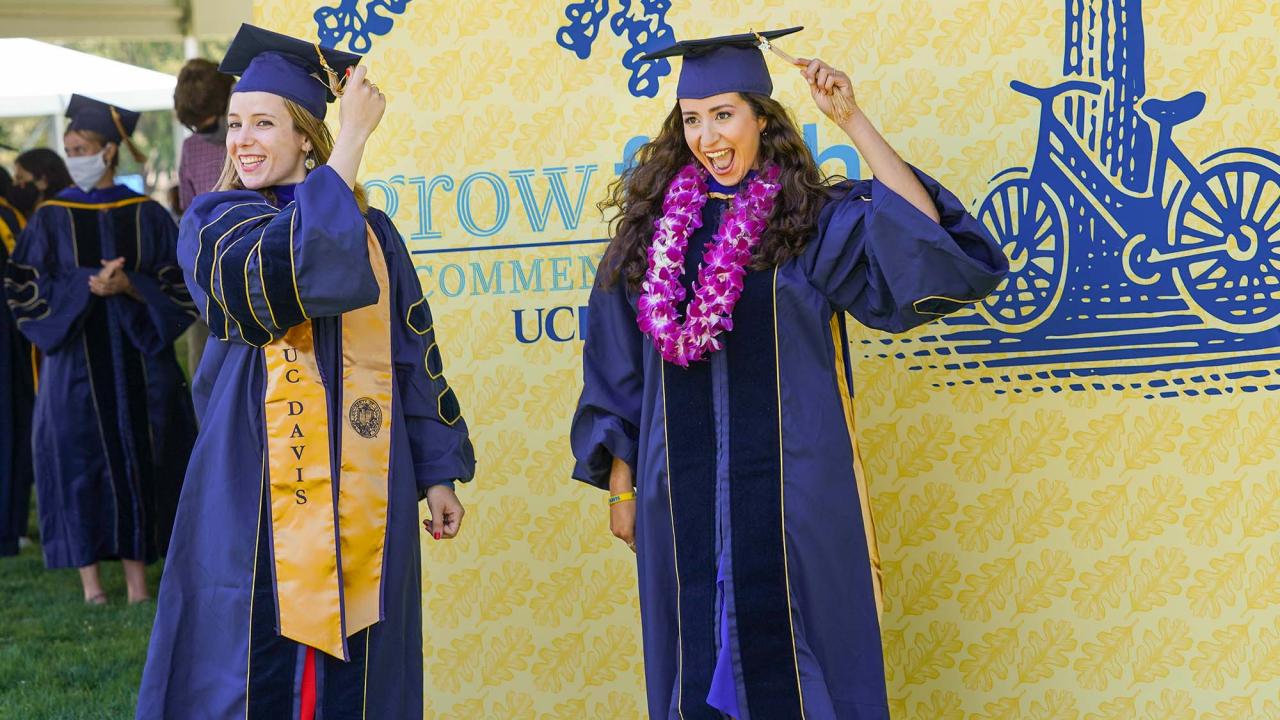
(61, 659)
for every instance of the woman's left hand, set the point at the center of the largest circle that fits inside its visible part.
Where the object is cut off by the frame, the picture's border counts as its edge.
(446, 512)
(825, 82)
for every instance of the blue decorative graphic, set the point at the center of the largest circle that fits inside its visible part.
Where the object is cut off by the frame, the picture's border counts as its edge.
(347, 23)
(642, 22)
(1126, 256)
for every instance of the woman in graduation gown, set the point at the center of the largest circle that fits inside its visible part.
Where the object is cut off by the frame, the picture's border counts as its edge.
(17, 393)
(716, 373)
(293, 589)
(38, 175)
(95, 285)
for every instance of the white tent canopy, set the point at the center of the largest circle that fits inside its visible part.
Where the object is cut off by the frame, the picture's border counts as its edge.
(144, 19)
(43, 77)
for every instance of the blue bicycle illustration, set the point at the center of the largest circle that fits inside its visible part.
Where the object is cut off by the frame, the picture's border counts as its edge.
(1105, 209)
(1212, 227)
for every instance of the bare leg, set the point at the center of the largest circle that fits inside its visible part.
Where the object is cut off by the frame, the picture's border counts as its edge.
(135, 578)
(92, 584)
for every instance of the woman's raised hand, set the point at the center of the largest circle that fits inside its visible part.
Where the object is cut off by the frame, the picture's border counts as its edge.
(825, 84)
(362, 104)
(359, 113)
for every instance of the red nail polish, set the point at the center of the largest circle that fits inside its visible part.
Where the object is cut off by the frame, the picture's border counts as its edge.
(437, 536)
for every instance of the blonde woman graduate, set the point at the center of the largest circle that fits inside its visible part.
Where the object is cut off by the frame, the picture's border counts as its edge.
(293, 586)
(94, 284)
(716, 407)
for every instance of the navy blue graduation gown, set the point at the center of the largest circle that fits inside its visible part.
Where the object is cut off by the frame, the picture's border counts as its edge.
(17, 393)
(757, 587)
(113, 421)
(215, 649)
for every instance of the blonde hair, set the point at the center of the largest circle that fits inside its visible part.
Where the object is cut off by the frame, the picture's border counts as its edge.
(313, 129)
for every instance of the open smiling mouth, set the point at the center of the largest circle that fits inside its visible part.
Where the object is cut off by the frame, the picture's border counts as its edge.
(721, 160)
(249, 163)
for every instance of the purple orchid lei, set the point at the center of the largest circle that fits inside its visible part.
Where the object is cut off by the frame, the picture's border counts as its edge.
(721, 273)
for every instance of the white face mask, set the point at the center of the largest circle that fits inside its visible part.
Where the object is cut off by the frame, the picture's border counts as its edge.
(87, 171)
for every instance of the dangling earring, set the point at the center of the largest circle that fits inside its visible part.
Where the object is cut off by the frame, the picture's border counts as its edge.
(309, 163)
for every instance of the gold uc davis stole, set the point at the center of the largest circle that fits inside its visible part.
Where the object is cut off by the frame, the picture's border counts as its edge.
(328, 537)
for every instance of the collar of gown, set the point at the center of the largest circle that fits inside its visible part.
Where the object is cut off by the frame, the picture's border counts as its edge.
(96, 195)
(715, 187)
(285, 193)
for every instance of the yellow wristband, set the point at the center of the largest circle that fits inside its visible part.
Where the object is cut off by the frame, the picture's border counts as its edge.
(621, 497)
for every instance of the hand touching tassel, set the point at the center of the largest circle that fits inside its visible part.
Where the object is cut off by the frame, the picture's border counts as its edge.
(824, 81)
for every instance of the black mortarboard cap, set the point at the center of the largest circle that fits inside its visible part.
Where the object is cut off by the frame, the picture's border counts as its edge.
(111, 122)
(296, 69)
(729, 63)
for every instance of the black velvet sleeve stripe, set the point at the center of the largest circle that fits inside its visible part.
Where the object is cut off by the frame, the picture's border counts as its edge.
(940, 305)
(22, 290)
(18, 274)
(231, 223)
(175, 287)
(419, 317)
(277, 273)
(236, 280)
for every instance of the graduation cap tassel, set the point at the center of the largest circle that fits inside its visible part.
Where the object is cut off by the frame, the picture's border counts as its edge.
(138, 157)
(840, 106)
(336, 84)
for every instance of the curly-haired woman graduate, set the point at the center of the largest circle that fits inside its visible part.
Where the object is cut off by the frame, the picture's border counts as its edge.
(716, 406)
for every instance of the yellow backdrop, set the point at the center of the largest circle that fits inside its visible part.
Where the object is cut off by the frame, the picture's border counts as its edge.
(1075, 488)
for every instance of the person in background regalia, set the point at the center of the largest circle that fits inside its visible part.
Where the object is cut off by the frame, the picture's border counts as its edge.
(17, 393)
(200, 103)
(716, 406)
(294, 589)
(6, 182)
(38, 174)
(95, 285)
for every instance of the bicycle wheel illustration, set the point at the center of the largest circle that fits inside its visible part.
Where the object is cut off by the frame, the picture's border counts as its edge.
(1224, 239)
(1028, 222)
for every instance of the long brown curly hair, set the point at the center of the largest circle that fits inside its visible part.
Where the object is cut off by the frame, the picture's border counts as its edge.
(636, 196)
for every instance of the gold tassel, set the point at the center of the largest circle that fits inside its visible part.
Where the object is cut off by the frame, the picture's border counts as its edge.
(840, 106)
(127, 141)
(335, 83)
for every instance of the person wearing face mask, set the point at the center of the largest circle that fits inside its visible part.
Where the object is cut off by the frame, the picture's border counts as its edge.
(94, 284)
(293, 588)
(38, 175)
(716, 406)
(200, 103)
(17, 394)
